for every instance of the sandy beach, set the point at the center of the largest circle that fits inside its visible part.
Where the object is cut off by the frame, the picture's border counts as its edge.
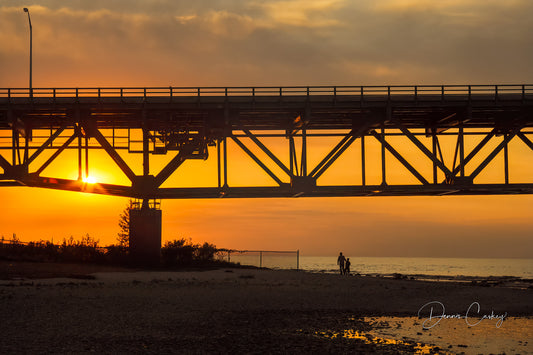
(110, 310)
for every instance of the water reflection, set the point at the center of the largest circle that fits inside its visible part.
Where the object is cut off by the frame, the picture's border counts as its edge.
(449, 337)
(369, 338)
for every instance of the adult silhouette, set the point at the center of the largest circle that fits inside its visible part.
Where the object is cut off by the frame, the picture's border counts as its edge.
(340, 261)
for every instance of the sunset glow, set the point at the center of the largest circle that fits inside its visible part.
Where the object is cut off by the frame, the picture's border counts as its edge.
(90, 180)
(275, 43)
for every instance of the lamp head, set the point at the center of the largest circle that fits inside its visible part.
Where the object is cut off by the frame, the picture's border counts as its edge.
(25, 9)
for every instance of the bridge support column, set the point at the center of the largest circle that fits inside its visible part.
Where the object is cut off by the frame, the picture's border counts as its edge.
(145, 236)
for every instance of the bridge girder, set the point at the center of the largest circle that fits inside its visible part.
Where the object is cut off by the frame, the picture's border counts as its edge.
(190, 126)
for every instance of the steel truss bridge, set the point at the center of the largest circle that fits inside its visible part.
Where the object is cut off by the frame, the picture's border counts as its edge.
(37, 126)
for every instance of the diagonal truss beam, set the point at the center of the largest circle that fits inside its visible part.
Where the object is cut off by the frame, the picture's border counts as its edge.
(113, 154)
(258, 161)
(266, 151)
(56, 153)
(423, 148)
(399, 157)
(45, 144)
(526, 140)
(4, 163)
(339, 146)
(494, 153)
(474, 151)
(345, 145)
(175, 163)
(339, 149)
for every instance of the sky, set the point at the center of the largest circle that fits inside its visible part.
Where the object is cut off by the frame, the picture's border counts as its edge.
(270, 42)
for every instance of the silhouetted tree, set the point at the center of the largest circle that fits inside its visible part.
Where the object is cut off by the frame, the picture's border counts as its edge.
(184, 252)
(178, 252)
(123, 236)
(206, 252)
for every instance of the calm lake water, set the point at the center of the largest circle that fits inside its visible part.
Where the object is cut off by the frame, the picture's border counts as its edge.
(449, 267)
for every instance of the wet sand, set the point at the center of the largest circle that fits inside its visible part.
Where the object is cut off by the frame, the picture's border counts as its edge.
(236, 310)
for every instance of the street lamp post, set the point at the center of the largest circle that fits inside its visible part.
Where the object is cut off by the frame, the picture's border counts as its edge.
(31, 35)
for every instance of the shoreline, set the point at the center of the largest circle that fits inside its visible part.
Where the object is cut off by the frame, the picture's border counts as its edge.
(30, 270)
(486, 281)
(249, 310)
(320, 284)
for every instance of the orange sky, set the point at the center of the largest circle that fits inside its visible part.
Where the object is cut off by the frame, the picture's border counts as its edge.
(314, 42)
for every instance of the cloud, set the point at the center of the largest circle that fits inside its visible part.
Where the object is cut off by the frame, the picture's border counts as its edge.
(278, 42)
(303, 13)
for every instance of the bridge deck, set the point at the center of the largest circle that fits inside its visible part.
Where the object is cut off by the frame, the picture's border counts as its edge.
(188, 122)
(271, 108)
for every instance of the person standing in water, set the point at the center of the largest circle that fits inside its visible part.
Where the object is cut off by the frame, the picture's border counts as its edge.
(340, 261)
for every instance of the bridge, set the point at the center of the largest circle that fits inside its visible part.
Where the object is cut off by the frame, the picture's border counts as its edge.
(197, 123)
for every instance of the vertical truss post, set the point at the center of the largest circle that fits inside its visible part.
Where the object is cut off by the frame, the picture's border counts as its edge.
(291, 154)
(294, 159)
(19, 160)
(303, 168)
(363, 161)
(219, 172)
(506, 160)
(434, 150)
(80, 158)
(383, 167)
(228, 131)
(146, 151)
(14, 140)
(18, 151)
(86, 157)
(225, 150)
(461, 149)
(26, 148)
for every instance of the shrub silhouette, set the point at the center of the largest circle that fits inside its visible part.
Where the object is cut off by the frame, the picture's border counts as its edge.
(183, 252)
(180, 252)
(206, 252)
(85, 250)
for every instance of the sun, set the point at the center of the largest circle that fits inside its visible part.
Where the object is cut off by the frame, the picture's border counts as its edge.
(90, 180)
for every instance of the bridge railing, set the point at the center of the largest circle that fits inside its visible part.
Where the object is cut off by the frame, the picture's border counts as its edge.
(362, 92)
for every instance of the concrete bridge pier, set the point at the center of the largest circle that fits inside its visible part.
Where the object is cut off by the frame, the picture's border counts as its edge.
(145, 235)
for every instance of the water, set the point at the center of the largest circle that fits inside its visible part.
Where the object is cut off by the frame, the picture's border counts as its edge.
(450, 336)
(452, 267)
(448, 267)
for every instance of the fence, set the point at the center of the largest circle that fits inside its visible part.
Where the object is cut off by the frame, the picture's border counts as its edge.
(273, 259)
(261, 258)
(523, 90)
